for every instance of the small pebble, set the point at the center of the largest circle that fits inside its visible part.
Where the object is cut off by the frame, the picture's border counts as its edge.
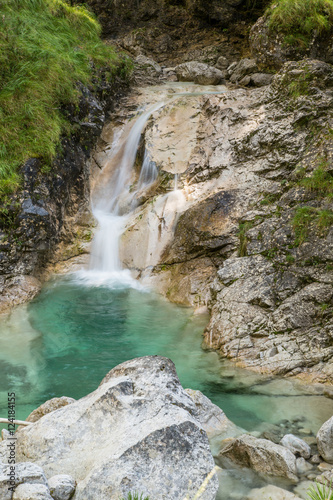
(324, 466)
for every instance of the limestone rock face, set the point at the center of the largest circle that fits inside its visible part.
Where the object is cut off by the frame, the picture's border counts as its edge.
(325, 441)
(200, 73)
(139, 420)
(296, 445)
(261, 455)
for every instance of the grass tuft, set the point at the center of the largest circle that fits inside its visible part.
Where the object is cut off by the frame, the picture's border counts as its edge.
(310, 218)
(321, 492)
(298, 20)
(46, 47)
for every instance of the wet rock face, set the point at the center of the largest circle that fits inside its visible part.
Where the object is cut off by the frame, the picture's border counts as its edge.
(237, 242)
(139, 420)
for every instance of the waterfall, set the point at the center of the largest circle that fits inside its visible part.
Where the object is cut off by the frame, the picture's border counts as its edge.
(117, 200)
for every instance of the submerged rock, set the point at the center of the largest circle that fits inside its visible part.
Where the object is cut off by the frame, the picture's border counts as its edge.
(325, 440)
(261, 455)
(137, 432)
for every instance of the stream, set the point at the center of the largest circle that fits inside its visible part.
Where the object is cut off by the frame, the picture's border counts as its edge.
(84, 323)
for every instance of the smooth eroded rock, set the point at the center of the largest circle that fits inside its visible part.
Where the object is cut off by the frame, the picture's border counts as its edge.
(325, 440)
(271, 492)
(243, 68)
(296, 445)
(29, 491)
(62, 487)
(261, 455)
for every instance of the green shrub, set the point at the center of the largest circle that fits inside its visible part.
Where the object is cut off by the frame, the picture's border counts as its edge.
(46, 47)
(299, 19)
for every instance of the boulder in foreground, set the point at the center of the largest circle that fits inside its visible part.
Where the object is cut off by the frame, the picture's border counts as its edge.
(137, 432)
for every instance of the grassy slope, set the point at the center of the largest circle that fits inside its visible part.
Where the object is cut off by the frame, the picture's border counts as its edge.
(298, 20)
(46, 46)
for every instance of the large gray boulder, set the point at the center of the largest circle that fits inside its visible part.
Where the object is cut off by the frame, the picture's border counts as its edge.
(198, 72)
(325, 441)
(261, 455)
(137, 432)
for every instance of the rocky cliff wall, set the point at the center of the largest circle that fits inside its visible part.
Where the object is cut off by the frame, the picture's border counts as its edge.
(253, 234)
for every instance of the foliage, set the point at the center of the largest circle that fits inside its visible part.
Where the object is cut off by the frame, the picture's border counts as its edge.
(321, 492)
(243, 228)
(46, 47)
(298, 20)
(307, 218)
(320, 182)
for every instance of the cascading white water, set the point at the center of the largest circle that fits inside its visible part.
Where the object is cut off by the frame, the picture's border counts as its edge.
(117, 200)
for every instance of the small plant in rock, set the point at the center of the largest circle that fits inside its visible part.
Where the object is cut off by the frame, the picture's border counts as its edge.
(321, 492)
(243, 228)
(135, 496)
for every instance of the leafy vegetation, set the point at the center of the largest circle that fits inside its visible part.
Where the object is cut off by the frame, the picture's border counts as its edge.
(320, 182)
(46, 47)
(321, 492)
(298, 20)
(310, 218)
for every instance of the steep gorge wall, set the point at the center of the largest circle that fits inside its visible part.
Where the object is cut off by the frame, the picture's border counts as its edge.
(253, 239)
